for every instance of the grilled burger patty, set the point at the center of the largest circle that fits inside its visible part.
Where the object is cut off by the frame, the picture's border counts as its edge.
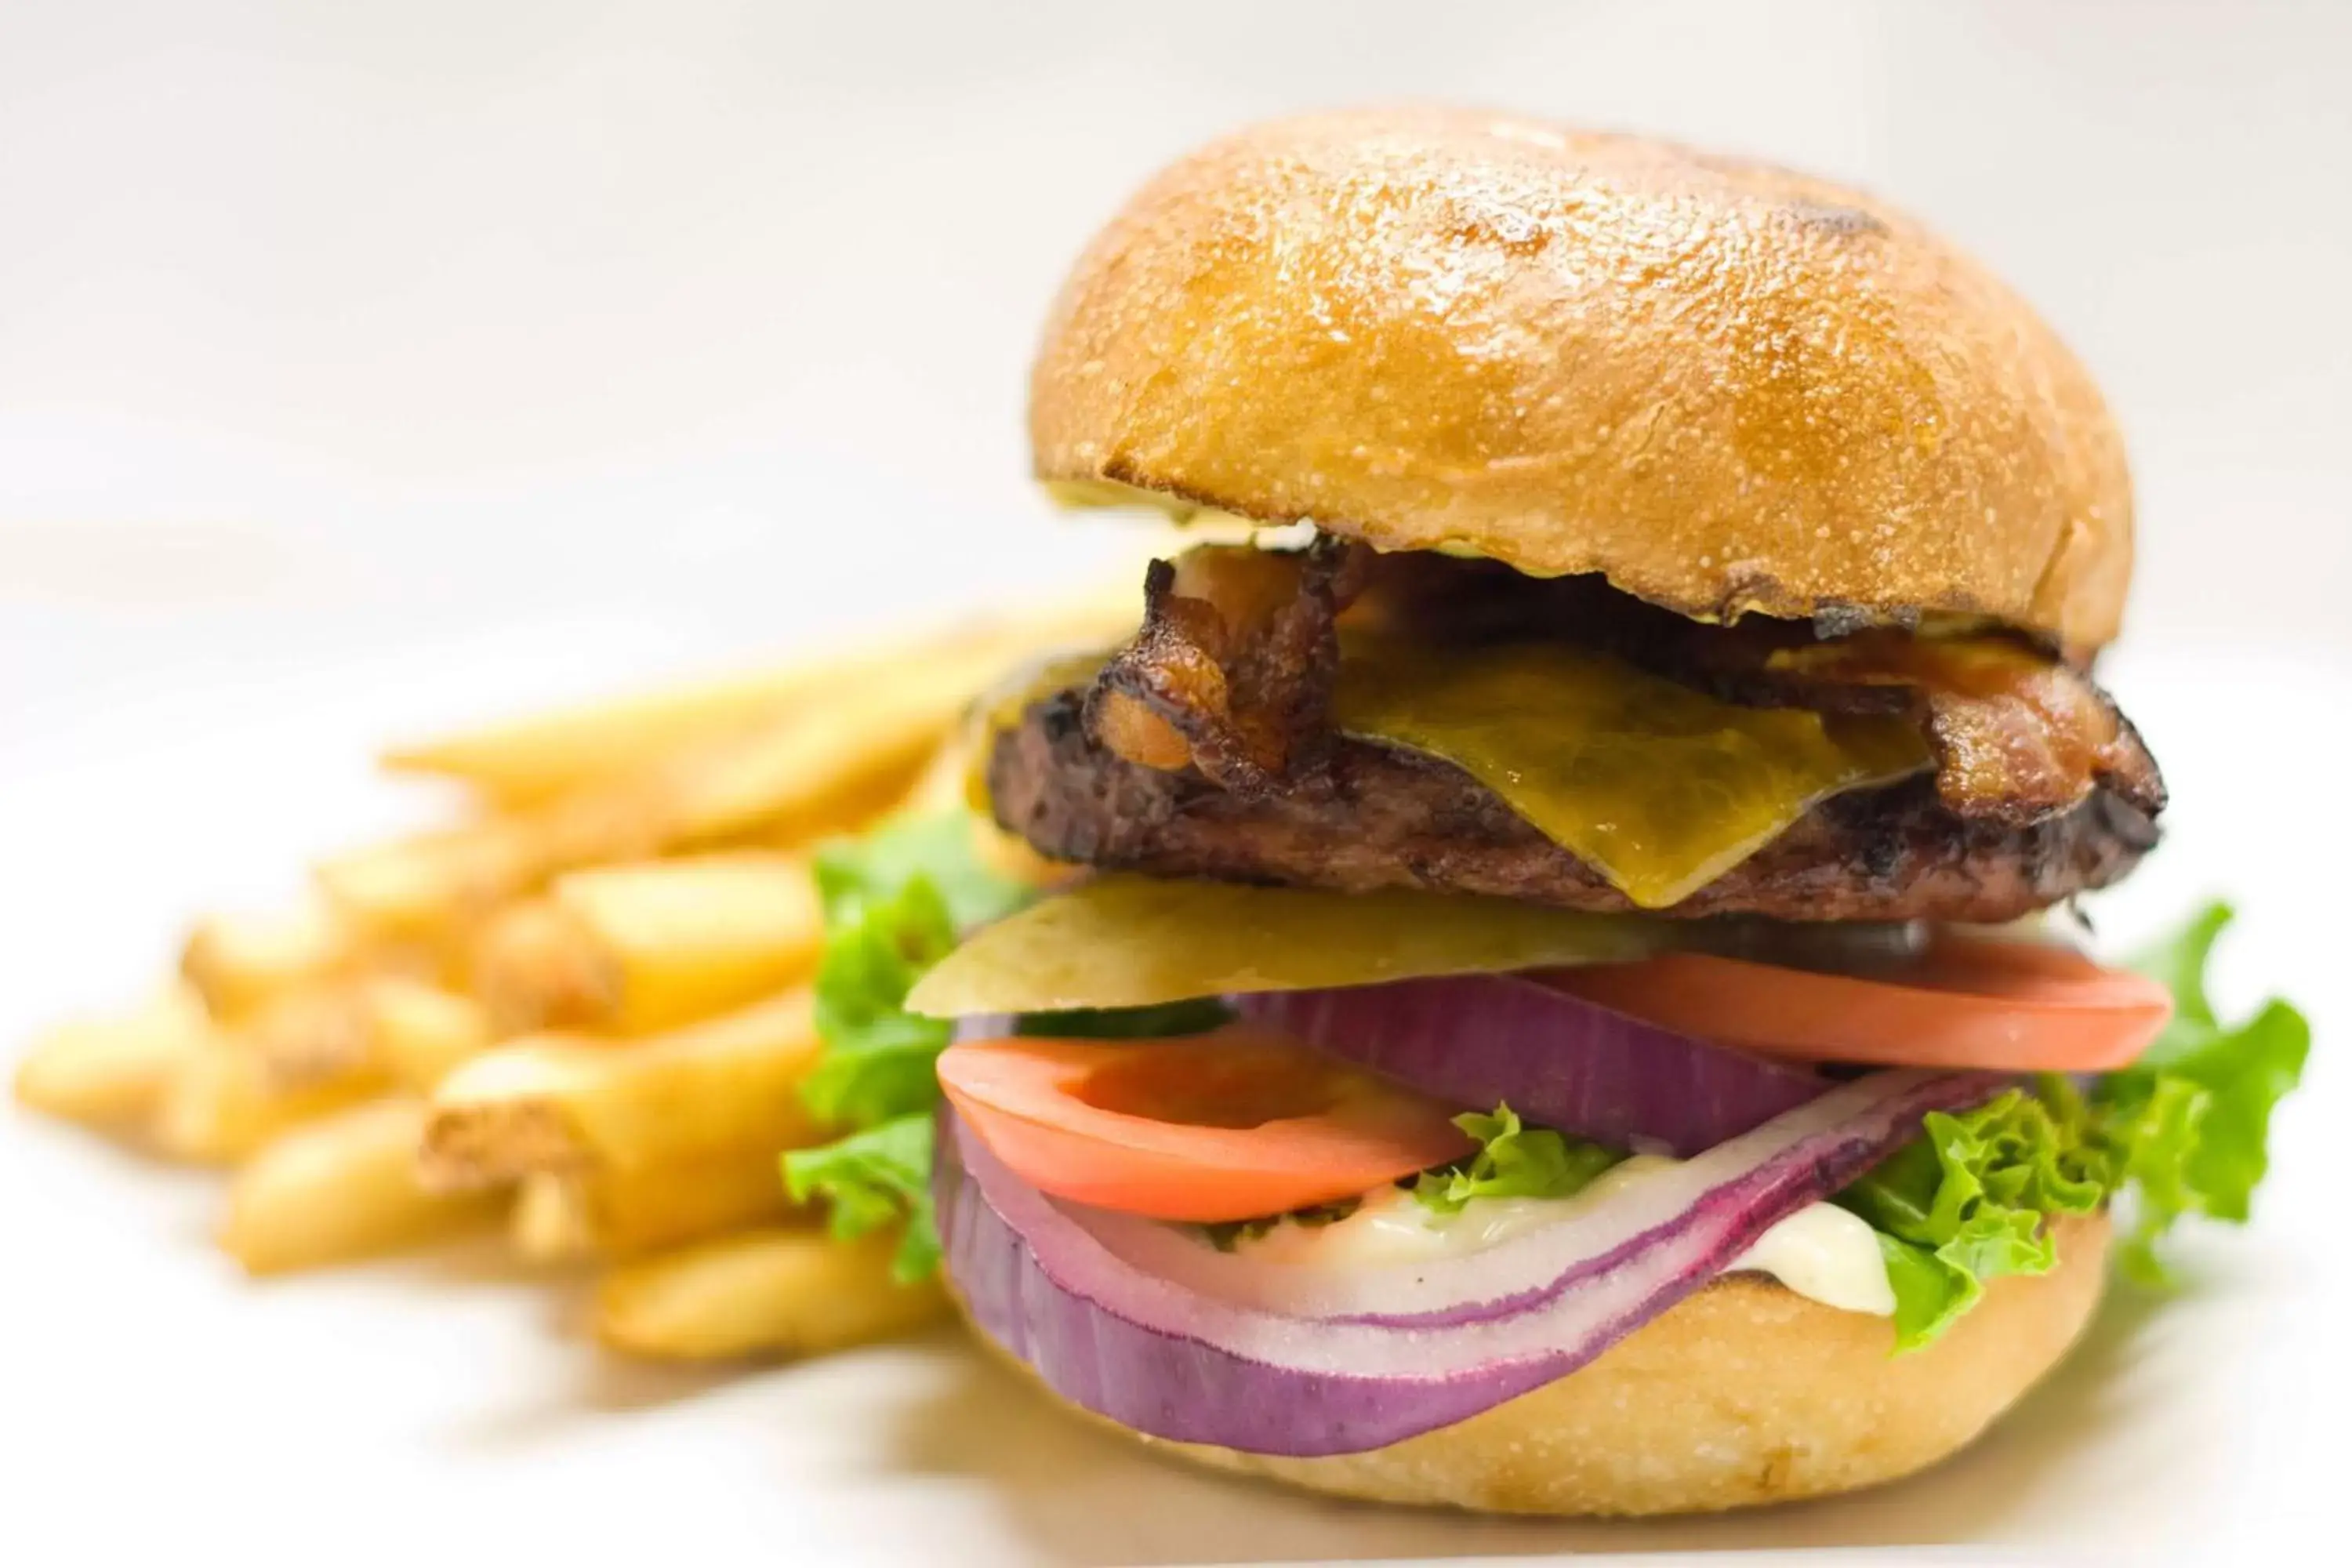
(1377, 816)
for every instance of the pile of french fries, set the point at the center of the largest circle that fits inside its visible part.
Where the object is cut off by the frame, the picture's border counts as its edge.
(582, 1013)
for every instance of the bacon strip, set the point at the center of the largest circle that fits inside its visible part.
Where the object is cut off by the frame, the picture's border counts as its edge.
(1232, 671)
(2018, 737)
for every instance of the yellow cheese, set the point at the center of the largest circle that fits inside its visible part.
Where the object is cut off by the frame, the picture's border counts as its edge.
(1135, 941)
(1660, 788)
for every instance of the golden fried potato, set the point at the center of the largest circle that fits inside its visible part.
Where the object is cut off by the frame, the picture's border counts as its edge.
(569, 1215)
(538, 757)
(114, 1072)
(635, 949)
(239, 963)
(569, 1103)
(342, 1187)
(223, 1102)
(420, 1032)
(782, 1292)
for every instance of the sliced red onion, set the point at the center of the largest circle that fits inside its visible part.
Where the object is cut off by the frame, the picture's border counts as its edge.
(1157, 1356)
(1560, 1061)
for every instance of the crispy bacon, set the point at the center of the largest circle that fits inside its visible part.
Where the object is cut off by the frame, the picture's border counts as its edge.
(1232, 671)
(1232, 674)
(2018, 737)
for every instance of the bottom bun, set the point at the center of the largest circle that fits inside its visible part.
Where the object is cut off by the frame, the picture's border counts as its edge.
(1746, 1392)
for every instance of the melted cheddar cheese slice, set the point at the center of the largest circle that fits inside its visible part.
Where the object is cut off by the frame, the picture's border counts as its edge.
(1658, 787)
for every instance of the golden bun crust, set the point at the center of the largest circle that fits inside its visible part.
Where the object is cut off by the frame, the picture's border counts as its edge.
(1745, 1394)
(1729, 387)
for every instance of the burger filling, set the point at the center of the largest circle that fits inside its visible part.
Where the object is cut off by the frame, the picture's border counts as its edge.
(1333, 718)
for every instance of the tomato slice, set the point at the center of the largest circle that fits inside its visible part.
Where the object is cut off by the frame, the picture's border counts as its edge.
(1233, 1124)
(1967, 1002)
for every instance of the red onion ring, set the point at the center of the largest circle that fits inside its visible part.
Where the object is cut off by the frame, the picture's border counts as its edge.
(1484, 1040)
(1155, 1356)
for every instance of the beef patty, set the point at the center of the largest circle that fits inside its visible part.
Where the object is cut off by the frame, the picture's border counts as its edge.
(1377, 816)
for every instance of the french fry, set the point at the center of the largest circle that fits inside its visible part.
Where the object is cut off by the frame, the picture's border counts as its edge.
(806, 775)
(225, 1103)
(768, 1292)
(535, 967)
(342, 1187)
(312, 1034)
(238, 963)
(571, 1215)
(114, 1072)
(806, 770)
(416, 888)
(635, 949)
(635, 901)
(535, 759)
(423, 1032)
(569, 1104)
(388, 1026)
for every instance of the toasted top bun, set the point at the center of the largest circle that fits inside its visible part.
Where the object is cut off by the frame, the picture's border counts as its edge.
(1746, 1392)
(1729, 387)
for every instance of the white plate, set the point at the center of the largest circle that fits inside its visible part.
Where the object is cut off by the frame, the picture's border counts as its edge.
(153, 1404)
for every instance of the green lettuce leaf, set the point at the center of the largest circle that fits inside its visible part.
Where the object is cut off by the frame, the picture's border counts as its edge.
(1930, 1293)
(2178, 963)
(1513, 1161)
(893, 901)
(2190, 1121)
(936, 849)
(1969, 1201)
(875, 1178)
(2183, 1130)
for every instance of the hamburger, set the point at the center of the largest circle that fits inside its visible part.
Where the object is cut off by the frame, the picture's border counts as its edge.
(1545, 1003)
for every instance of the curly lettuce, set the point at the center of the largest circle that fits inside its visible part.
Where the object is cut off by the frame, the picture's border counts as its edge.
(1512, 1161)
(894, 901)
(1969, 1200)
(2199, 1102)
(2183, 1130)
(877, 1177)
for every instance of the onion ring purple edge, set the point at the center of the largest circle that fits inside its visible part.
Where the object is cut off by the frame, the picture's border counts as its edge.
(1561, 1062)
(1170, 1363)
(1170, 1385)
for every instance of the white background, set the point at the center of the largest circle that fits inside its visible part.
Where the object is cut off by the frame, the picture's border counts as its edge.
(367, 366)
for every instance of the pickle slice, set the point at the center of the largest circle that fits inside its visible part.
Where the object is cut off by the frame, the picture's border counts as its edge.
(1135, 942)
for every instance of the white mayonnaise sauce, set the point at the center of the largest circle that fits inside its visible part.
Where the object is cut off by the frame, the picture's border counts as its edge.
(1820, 1252)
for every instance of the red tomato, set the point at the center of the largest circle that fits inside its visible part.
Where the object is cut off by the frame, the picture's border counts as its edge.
(1230, 1125)
(1970, 1002)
